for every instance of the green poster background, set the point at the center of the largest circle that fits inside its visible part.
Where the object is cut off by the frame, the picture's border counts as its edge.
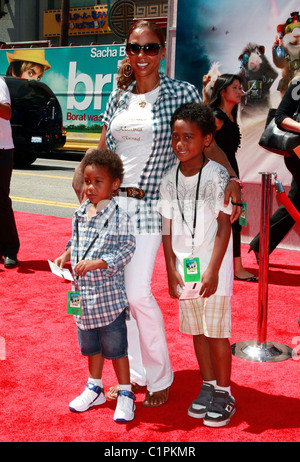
(81, 77)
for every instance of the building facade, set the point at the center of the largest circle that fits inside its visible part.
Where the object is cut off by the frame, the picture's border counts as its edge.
(89, 21)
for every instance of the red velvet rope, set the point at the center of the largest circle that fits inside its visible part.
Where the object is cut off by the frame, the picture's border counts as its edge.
(285, 201)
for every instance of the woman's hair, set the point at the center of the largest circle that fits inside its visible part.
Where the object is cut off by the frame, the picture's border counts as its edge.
(104, 158)
(222, 82)
(17, 68)
(199, 113)
(125, 72)
(296, 76)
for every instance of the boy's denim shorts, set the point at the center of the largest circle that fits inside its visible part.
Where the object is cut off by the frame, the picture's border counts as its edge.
(110, 340)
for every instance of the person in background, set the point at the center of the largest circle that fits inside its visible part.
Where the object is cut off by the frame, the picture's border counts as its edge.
(281, 221)
(9, 239)
(198, 251)
(137, 127)
(225, 98)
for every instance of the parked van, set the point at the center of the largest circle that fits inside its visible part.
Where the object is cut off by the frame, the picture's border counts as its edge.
(37, 121)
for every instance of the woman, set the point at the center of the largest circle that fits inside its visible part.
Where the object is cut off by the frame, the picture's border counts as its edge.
(226, 96)
(136, 126)
(281, 221)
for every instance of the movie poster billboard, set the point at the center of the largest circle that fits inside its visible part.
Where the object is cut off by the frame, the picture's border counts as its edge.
(81, 77)
(259, 40)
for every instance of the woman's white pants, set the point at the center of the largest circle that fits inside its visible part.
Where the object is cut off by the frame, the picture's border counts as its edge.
(147, 347)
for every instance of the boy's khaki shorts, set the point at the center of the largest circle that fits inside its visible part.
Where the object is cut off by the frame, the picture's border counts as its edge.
(208, 316)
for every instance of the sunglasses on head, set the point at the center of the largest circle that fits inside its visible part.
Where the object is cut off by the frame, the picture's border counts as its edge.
(150, 49)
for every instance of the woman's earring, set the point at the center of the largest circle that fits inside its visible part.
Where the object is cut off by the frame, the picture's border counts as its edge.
(128, 71)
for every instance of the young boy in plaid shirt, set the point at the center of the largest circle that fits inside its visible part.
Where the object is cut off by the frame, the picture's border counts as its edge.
(102, 244)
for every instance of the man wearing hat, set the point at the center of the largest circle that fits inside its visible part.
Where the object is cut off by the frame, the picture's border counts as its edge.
(27, 64)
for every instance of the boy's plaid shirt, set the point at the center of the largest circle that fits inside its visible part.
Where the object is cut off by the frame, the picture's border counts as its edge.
(102, 291)
(173, 93)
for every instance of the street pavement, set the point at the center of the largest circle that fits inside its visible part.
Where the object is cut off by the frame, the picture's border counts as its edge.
(46, 186)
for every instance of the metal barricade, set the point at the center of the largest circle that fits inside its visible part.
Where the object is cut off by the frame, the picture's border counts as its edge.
(261, 350)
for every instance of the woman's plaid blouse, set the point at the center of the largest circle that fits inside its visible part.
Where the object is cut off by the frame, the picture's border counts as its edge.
(172, 94)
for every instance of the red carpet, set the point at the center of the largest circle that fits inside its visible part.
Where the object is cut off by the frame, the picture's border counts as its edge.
(43, 369)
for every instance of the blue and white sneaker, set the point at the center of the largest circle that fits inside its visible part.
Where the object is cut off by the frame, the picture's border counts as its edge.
(125, 406)
(93, 395)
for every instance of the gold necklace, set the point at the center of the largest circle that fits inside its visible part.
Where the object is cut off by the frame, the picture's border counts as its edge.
(143, 103)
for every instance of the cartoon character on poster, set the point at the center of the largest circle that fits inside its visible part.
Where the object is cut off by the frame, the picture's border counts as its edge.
(257, 76)
(209, 80)
(286, 50)
(213, 37)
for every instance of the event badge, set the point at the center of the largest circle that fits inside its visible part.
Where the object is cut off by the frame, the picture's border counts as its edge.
(243, 215)
(191, 269)
(191, 290)
(74, 303)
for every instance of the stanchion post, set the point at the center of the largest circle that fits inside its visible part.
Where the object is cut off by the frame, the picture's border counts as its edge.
(261, 350)
(262, 320)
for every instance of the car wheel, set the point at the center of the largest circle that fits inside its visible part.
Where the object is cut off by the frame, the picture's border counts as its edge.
(23, 159)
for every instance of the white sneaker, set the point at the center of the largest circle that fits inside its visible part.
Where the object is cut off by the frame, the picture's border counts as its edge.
(125, 406)
(93, 395)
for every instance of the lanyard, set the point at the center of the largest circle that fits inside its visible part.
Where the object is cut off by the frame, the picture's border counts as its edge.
(94, 240)
(195, 208)
(96, 237)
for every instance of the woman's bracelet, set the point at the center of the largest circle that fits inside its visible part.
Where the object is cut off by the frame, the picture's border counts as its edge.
(237, 203)
(237, 180)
